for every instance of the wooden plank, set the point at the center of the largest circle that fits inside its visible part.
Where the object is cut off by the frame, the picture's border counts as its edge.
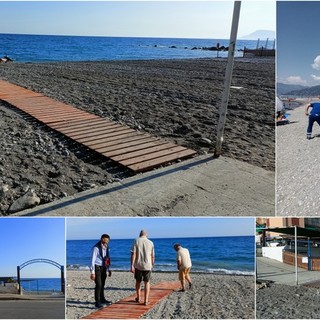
(87, 128)
(97, 133)
(64, 120)
(152, 156)
(93, 141)
(69, 122)
(139, 141)
(147, 165)
(127, 308)
(133, 152)
(140, 148)
(61, 118)
(75, 126)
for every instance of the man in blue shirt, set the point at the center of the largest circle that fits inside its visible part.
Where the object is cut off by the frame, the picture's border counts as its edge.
(313, 116)
(100, 264)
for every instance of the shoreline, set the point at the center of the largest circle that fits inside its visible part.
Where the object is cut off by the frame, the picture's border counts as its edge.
(245, 274)
(235, 299)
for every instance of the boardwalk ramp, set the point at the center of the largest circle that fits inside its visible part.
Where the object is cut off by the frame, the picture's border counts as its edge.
(128, 147)
(129, 309)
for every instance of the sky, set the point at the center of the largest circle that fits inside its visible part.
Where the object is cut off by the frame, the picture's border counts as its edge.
(175, 19)
(24, 239)
(129, 228)
(298, 42)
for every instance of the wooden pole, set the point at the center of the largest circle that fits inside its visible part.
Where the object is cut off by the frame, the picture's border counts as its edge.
(225, 95)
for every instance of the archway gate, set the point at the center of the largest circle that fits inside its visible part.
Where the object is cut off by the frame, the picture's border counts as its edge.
(41, 260)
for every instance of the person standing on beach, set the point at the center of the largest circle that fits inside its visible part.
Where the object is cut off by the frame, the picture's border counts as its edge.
(184, 266)
(313, 116)
(142, 263)
(100, 265)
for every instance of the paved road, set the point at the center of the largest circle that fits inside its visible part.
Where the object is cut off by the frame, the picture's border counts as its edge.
(32, 309)
(200, 186)
(298, 167)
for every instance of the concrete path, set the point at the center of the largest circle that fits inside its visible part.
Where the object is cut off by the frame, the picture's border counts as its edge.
(200, 186)
(298, 167)
(282, 273)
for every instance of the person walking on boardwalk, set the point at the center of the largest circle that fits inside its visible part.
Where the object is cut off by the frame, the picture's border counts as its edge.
(184, 266)
(142, 263)
(313, 116)
(100, 266)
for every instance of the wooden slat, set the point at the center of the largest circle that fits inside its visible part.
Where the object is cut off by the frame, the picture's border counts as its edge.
(127, 308)
(93, 142)
(131, 148)
(147, 165)
(140, 148)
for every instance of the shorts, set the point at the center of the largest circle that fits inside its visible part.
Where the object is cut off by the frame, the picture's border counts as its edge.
(183, 273)
(142, 275)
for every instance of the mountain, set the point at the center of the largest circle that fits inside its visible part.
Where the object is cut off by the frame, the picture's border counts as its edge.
(283, 88)
(260, 34)
(307, 92)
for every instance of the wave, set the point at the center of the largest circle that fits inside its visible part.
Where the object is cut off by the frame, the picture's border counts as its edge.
(171, 268)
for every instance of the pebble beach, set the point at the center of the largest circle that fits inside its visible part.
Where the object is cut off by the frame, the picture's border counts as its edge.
(297, 162)
(212, 296)
(280, 301)
(174, 99)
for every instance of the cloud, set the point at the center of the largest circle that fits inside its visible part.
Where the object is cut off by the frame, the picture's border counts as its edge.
(314, 77)
(295, 80)
(316, 63)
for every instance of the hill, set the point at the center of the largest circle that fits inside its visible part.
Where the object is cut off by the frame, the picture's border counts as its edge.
(283, 88)
(306, 92)
(260, 34)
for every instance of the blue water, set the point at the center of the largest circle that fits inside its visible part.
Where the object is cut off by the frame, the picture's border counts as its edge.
(41, 284)
(41, 48)
(227, 255)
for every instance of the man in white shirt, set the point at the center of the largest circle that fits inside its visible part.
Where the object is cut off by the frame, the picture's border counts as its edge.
(184, 265)
(142, 262)
(100, 264)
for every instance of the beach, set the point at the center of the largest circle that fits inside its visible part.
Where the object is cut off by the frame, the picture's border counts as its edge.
(212, 296)
(297, 163)
(280, 301)
(174, 99)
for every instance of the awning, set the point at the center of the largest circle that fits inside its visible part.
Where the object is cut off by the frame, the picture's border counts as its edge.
(301, 232)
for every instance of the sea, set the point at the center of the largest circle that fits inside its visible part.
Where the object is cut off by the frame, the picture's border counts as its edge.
(41, 284)
(221, 255)
(50, 48)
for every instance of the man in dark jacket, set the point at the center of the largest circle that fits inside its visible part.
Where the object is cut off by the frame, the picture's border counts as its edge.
(100, 265)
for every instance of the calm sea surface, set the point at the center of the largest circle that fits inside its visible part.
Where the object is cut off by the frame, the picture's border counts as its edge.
(226, 255)
(42, 284)
(41, 48)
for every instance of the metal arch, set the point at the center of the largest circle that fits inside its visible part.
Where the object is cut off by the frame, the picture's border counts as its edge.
(40, 260)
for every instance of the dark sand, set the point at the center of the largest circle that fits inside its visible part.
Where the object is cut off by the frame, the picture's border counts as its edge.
(174, 99)
(280, 301)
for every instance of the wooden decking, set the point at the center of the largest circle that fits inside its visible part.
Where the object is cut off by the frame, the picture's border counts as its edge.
(130, 148)
(129, 309)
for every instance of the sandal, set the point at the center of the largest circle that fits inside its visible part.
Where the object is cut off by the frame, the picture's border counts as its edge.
(137, 300)
(146, 303)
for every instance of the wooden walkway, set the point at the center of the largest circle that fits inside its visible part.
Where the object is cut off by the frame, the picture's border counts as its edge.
(129, 309)
(128, 147)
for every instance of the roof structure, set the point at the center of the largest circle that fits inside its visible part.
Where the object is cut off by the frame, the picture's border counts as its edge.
(301, 232)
